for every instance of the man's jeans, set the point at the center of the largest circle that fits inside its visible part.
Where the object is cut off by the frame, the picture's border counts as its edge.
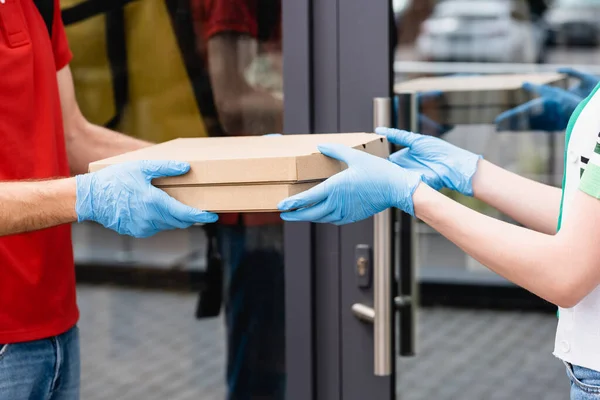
(253, 259)
(585, 383)
(45, 369)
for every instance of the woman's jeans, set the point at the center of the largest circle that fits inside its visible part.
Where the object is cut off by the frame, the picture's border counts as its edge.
(46, 369)
(585, 383)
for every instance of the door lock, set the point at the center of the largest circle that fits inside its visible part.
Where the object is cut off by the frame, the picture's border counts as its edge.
(361, 266)
(363, 256)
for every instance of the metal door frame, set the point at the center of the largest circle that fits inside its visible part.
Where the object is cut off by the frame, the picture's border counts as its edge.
(337, 59)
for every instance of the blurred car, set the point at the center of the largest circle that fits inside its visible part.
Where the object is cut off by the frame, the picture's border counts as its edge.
(481, 31)
(574, 22)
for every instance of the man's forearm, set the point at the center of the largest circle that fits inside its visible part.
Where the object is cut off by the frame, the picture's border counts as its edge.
(34, 205)
(533, 204)
(261, 113)
(243, 109)
(250, 112)
(89, 142)
(530, 259)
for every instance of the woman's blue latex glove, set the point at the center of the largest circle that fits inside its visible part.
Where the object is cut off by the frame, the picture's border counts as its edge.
(552, 110)
(122, 198)
(368, 186)
(437, 161)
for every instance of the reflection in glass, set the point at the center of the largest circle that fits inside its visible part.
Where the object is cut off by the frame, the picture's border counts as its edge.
(160, 70)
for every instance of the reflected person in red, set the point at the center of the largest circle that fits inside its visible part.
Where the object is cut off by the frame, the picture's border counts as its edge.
(240, 41)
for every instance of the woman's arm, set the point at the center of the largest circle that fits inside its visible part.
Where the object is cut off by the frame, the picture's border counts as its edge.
(532, 204)
(561, 268)
(442, 164)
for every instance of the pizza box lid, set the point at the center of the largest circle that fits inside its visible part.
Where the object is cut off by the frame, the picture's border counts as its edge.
(252, 159)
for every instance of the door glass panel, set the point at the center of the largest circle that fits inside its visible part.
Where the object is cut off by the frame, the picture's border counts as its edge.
(450, 37)
(196, 313)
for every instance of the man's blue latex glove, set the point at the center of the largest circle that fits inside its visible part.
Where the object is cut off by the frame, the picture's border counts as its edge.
(552, 110)
(440, 163)
(368, 186)
(122, 198)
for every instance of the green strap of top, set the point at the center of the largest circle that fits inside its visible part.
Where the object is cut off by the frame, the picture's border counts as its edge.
(572, 121)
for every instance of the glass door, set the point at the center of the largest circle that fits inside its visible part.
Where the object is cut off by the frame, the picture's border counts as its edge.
(337, 63)
(194, 314)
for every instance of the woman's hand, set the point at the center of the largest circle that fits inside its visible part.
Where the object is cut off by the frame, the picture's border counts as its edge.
(369, 186)
(440, 163)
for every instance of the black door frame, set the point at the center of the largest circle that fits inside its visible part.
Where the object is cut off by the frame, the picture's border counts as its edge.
(337, 59)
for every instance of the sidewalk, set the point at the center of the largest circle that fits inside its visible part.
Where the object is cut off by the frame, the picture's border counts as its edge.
(139, 345)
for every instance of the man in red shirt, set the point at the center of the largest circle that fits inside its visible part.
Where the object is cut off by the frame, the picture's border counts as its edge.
(44, 139)
(230, 32)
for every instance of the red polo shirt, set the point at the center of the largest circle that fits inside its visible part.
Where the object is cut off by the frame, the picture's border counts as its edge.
(37, 278)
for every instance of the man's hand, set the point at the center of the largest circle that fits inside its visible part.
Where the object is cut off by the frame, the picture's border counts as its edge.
(122, 198)
(440, 163)
(552, 110)
(369, 186)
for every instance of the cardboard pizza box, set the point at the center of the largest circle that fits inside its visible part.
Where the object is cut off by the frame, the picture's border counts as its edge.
(475, 99)
(248, 174)
(237, 198)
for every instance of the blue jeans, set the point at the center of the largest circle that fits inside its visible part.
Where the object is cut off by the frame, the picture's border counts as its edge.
(46, 369)
(254, 302)
(585, 383)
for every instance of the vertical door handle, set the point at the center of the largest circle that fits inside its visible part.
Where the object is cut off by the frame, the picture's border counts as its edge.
(382, 260)
(381, 314)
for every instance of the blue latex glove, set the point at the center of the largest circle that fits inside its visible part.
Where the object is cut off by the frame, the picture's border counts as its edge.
(549, 113)
(587, 82)
(368, 186)
(552, 110)
(122, 198)
(440, 163)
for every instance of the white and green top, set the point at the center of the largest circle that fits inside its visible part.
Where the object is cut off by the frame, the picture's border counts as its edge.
(578, 332)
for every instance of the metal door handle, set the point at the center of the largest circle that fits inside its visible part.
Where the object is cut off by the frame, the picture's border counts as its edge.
(382, 274)
(381, 314)
(364, 313)
(382, 260)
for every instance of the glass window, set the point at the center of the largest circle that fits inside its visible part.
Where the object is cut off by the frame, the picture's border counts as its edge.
(481, 37)
(195, 313)
(478, 37)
